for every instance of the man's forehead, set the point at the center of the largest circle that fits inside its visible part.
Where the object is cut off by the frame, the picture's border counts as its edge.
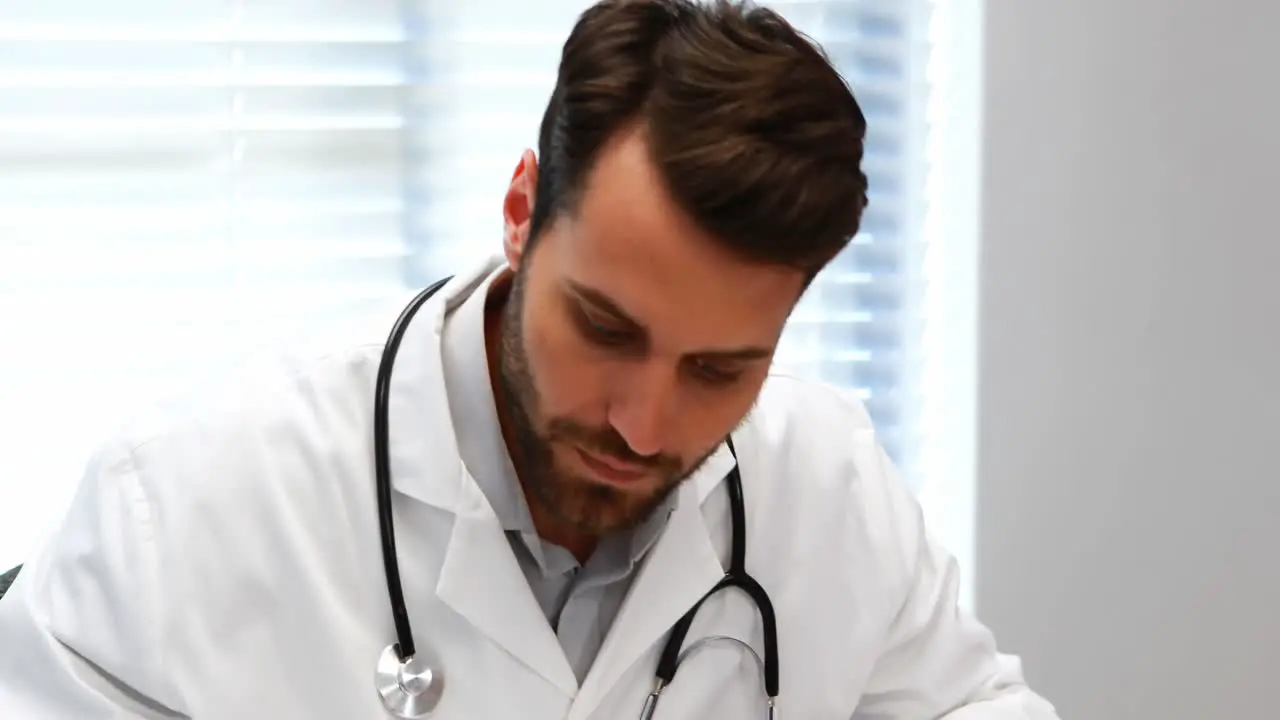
(629, 243)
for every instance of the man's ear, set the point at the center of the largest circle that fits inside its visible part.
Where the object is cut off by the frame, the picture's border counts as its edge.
(517, 208)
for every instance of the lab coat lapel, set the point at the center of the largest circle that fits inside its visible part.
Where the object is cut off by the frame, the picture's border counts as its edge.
(682, 566)
(482, 582)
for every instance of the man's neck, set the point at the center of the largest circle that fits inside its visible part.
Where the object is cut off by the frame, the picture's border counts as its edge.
(580, 544)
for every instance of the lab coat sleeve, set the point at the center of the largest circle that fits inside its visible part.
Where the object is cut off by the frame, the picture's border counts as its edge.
(83, 628)
(938, 661)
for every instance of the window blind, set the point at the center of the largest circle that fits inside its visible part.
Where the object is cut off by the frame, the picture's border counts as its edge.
(182, 181)
(860, 325)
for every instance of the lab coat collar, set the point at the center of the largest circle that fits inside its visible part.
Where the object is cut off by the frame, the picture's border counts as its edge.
(473, 407)
(423, 447)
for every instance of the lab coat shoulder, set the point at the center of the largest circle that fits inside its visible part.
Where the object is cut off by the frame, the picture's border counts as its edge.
(821, 457)
(197, 508)
(84, 625)
(842, 531)
(259, 489)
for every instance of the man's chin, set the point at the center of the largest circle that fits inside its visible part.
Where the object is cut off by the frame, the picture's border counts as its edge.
(601, 509)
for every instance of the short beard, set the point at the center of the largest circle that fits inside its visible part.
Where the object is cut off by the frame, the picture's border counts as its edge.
(585, 506)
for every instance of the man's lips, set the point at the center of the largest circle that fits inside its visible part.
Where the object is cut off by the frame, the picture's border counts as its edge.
(611, 469)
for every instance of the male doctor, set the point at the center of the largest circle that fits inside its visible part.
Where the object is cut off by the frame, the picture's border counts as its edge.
(557, 441)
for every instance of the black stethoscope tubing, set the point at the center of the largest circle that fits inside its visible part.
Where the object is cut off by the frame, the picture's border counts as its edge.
(735, 577)
(405, 647)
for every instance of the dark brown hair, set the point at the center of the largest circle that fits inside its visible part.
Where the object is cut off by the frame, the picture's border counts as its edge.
(757, 137)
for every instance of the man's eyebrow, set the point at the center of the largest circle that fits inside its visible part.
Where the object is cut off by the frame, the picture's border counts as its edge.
(601, 302)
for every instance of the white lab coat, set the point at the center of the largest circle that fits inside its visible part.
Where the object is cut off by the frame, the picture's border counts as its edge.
(222, 560)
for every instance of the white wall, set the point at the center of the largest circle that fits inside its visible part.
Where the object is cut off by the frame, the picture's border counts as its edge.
(1129, 402)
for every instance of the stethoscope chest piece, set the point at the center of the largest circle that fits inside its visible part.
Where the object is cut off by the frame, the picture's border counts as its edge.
(409, 688)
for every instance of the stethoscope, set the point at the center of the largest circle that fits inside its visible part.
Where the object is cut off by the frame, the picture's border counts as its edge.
(410, 680)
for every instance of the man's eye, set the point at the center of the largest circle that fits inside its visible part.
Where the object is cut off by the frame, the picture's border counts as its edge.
(715, 375)
(603, 334)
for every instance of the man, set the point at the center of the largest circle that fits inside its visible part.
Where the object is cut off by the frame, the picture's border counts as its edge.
(558, 420)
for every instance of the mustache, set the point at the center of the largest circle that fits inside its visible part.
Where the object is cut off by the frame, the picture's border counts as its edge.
(606, 441)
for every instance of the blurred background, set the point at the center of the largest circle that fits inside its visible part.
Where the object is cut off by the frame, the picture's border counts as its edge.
(1060, 311)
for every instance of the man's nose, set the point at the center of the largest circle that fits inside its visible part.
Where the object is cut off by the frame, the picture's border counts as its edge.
(644, 408)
